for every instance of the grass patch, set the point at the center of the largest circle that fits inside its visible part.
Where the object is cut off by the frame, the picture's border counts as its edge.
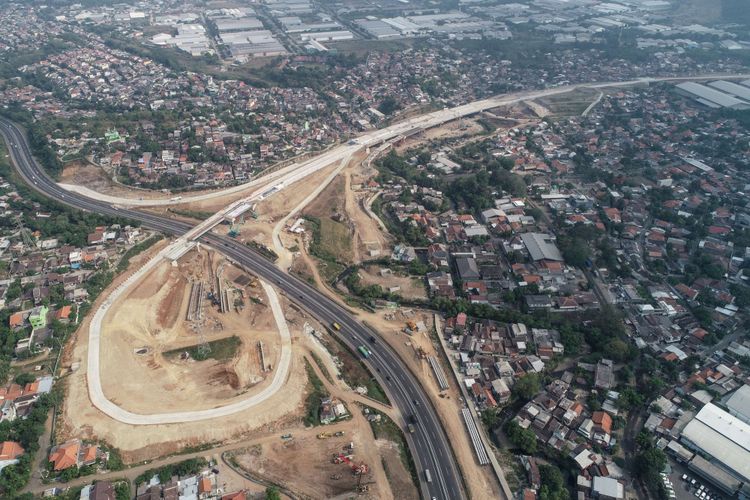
(354, 372)
(570, 104)
(220, 350)
(132, 252)
(263, 250)
(331, 240)
(322, 367)
(317, 392)
(192, 214)
(387, 429)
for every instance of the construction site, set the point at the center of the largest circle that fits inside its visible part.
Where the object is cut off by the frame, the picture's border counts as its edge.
(196, 332)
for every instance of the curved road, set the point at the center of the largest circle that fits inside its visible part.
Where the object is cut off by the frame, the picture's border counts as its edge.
(429, 443)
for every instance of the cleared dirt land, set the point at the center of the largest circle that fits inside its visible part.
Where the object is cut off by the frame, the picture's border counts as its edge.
(408, 287)
(148, 342)
(152, 319)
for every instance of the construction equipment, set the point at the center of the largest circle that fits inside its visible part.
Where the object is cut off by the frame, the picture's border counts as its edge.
(324, 435)
(357, 469)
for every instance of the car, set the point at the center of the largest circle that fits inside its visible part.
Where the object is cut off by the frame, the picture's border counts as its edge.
(388, 377)
(373, 339)
(684, 477)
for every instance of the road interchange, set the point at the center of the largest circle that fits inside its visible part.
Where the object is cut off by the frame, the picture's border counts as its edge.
(429, 443)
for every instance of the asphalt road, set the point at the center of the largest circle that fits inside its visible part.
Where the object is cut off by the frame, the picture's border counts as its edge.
(429, 443)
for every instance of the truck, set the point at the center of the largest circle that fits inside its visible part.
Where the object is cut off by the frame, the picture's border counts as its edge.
(176, 198)
(336, 326)
(364, 351)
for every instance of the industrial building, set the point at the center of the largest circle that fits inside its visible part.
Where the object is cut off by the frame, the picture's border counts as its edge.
(242, 24)
(738, 91)
(256, 43)
(711, 97)
(724, 441)
(541, 246)
(738, 404)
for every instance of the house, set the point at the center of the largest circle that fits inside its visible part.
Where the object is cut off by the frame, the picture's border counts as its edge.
(100, 490)
(9, 453)
(403, 253)
(239, 495)
(63, 314)
(327, 412)
(604, 376)
(538, 301)
(73, 454)
(38, 317)
(467, 269)
(607, 488)
(204, 487)
(16, 320)
(65, 455)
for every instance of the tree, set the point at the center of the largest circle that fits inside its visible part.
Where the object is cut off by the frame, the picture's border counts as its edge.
(553, 484)
(523, 439)
(24, 378)
(527, 387)
(272, 493)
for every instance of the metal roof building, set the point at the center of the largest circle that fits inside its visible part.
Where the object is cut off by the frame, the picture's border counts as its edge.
(723, 438)
(731, 88)
(738, 404)
(711, 97)
(541, 246)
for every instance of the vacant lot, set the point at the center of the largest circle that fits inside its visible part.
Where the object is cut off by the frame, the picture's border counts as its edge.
(220, 350)
(408, 287)
(570, 104)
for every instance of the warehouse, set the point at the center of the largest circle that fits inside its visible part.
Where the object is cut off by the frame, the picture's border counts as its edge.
(738, 404)
(738, 91)
(722, 438)
(377, 28)
(243, 24)
(541, 246)
(711, 97)
(328, 36)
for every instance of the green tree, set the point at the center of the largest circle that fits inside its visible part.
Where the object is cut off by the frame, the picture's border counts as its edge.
(553, 484)
(527, 387)
(272, 493)
(524, 439)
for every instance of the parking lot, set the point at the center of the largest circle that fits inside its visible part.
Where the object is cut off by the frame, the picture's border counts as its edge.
(687, 489)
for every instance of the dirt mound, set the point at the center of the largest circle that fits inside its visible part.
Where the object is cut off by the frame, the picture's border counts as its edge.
(227, 376)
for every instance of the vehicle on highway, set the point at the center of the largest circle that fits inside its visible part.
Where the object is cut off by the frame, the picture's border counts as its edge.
(373, 339)
(411, 428)
(364, 351)
(336, 326)
(427, 475)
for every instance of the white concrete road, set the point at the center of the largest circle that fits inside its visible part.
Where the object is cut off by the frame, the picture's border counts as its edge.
(375, 137)
(93, 366)
(284, 178)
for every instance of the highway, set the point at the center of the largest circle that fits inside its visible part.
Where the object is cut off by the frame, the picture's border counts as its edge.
(429, 443)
